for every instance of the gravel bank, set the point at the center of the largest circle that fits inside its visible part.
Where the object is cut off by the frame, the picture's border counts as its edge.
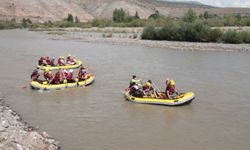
(18, 135)
(127, 39)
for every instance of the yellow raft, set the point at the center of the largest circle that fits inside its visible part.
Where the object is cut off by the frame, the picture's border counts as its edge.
(185, 98)
(41, 86)
(77, 65)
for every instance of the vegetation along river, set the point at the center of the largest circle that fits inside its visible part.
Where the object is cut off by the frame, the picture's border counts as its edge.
(97, 117)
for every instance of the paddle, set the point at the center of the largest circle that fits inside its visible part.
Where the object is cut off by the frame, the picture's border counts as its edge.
(50, 81)
(156, 92)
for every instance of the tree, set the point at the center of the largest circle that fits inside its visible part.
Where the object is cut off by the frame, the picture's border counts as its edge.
(70, 18)
(77, 20)
(190, 16)
(155, 15)
(26, 23)
(136, 15)
(206, 15)
(119, 15)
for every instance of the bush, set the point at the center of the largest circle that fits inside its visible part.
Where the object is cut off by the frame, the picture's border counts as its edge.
(214, 22)
(2, 25)
(215, 35)
(169, 32)
(246, 36)
(137, 23)
(155, 15)
(181, 31)
(202, 32)
(233, 37)
(190, 16)
(189, 31)
(149, 33)
(101, 23)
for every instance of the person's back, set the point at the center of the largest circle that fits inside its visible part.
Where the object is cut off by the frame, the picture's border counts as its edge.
(57, 78)
(35, 75)
(82, 73)
(48, 75)
(170, 90)
(70, 76)
(40, 61)
(61, 61)
(48, 61)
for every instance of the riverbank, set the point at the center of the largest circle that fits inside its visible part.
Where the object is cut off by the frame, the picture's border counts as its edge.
(119, 36)
(18, 135)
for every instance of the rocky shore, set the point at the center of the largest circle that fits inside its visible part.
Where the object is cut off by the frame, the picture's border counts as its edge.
(132, 37)
(18, 135)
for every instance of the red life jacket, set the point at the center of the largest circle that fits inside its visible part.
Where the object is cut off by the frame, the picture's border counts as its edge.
(57, 78)
(171, 89)
(72, 59)
(48, 61)
(69, 76)
(60, 62)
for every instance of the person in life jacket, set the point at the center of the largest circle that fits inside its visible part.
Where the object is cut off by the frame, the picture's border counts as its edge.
(48, 61)
(71, 60)
(135, 90)
(41, 61)
(60, 61)
(68, 75)
(170, 90)
(148, 89)
(57, 77)
(35, 75)
(48, 75)
(82, 74)
(53, 61)
(135, 80)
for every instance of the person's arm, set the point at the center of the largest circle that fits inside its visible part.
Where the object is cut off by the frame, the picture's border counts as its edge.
(168, 95)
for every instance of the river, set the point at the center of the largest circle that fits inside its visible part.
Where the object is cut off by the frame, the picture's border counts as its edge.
(98, 117)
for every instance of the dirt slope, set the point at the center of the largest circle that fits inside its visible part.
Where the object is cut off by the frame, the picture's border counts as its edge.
(41, 10)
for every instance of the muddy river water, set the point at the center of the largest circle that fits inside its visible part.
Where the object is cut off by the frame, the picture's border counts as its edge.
(98, 118)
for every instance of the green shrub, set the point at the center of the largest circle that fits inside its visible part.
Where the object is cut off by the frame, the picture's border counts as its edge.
(155, 15)
(246, 36)
(169, 32)
(215, 35)
(214, 22)
(189, 31)
(202, 32)
(101, 22)
(149, 33)
(190, 16)
(2, 26)
(233, 37)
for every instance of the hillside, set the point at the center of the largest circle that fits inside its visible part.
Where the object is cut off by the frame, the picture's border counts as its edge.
(44, 10)
(41, 10)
